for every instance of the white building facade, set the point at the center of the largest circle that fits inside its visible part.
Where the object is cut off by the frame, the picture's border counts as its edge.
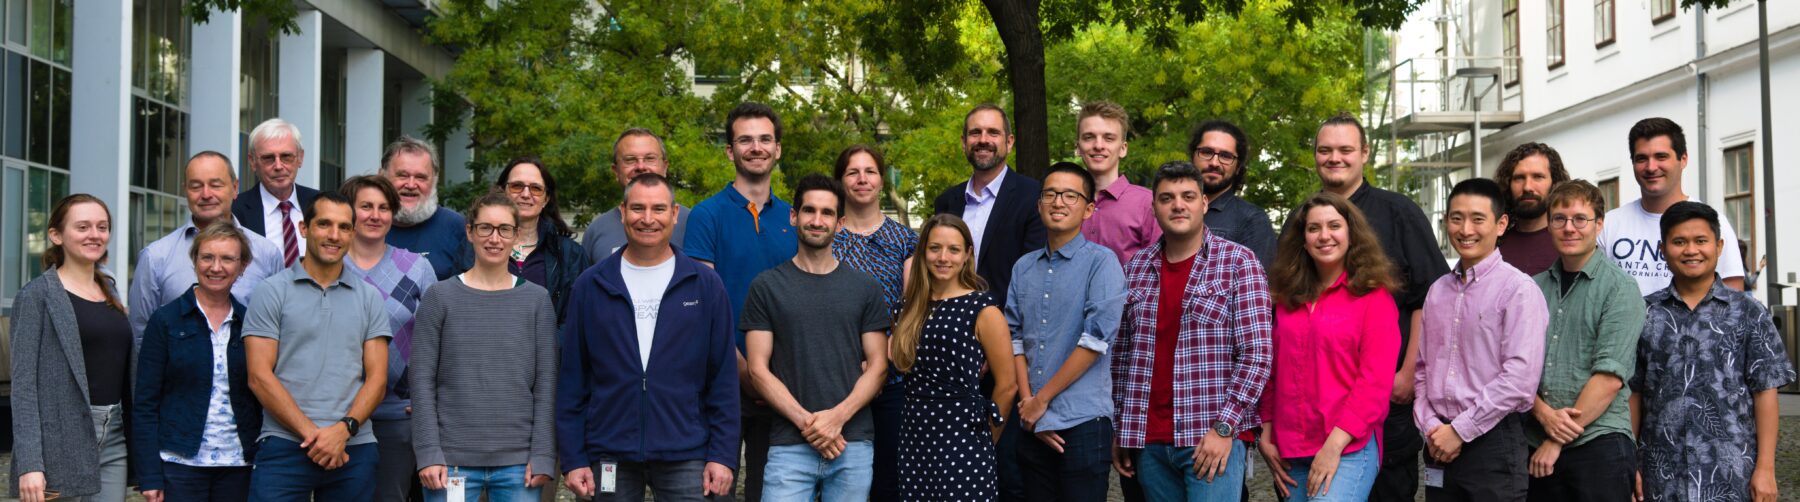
(1576, 74)
(110, 97)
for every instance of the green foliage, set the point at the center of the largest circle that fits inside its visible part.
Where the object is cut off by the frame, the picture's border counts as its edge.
(279, 13)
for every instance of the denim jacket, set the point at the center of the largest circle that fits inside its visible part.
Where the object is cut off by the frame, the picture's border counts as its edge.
(174, 386)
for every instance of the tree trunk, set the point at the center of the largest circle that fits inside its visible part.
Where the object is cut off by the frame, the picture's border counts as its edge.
(1017, 21)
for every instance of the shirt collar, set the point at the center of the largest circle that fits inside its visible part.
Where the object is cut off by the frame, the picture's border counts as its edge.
(738, 199)
(272, 204)
(1223, 202)
(1067, 251)
(1480, 269)
(1719, 292)
(1117, 189)
(988, 192)
(299, 272)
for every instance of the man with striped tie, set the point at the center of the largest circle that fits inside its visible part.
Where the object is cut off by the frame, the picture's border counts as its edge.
(272, 208)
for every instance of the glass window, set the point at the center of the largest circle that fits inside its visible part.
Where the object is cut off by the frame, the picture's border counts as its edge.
(37, 217)
(1604, 33)
(1553, 40)
(1740, 193)
(1509, 23)
(1661, 10)
(14, 94)
(37, 136)
(60, 126)
(1610, 189)
(12, 226)
(62, 38)
(140, 46)
(15, 22)
(40, 27)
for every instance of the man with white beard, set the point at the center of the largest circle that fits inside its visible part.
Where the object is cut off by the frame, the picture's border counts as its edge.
(420, 225)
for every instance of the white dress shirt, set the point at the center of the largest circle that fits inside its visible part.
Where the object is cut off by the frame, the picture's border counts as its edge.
(272, 219)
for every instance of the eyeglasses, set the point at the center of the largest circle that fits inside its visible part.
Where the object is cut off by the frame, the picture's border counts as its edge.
(1580, 222)
(486, 230)
(286, 159)
(518, 187)
(1206, 153)
(1053, 196)
(654, 160)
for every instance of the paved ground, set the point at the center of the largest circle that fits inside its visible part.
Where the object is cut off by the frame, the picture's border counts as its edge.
(1787, 462)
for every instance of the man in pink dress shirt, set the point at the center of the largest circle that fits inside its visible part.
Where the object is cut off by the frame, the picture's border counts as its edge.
(1480, 358)
(1122, 220)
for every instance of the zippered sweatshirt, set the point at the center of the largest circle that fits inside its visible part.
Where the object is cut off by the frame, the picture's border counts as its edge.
(684, 408)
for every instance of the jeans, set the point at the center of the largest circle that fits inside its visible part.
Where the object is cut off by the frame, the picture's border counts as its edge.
(501, 484)
(887, 409)
(396, 475)
(285, 474)
(1079, 473)
(1401, 443)
(1355, 474)
(1493, 467)
(109, 432)
(1167, 475)
(797, 472)
(671, 482)
(1599, 469)
(754, 426)
(222, 484)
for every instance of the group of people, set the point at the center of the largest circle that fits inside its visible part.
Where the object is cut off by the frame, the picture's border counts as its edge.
(366, 343)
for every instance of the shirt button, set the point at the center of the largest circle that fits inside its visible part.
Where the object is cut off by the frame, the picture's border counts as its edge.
(1045, 321)
(1046, 295)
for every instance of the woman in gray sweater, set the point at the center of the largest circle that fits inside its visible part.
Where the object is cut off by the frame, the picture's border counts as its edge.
(483, 373)
(71, 354)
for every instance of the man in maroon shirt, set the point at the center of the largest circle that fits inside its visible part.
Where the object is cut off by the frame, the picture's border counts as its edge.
(1527, 174)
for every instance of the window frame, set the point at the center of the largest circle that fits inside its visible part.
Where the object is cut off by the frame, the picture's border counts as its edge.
(1609, 190)
(1744, 170)
(1511, 66)
(1556, 34)
(1611, 18)
(1656, 19)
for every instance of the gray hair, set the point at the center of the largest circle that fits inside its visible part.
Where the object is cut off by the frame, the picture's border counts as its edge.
(274, 129)
(409, 144)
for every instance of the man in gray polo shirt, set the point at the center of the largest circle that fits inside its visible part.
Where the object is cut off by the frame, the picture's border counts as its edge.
(318, 321)
(637, 151)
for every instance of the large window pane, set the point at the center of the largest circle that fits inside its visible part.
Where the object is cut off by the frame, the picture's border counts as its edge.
(15, 21)
(60, 126)
(37, 137)
(37, 218)
(136, 232)
(13, 144)
(140, 125)
(140, 46)
(62, 40)
(40, 27)
(12, 226)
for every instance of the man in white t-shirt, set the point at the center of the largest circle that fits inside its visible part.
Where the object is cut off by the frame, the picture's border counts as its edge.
(1633, 237)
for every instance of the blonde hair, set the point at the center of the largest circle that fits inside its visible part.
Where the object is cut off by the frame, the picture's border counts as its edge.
(903, 346)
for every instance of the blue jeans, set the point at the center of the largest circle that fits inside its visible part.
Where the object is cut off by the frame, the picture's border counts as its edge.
(797, 472)
(184, 482)
(1167, 474)
(501, 484)
(1355, 475)
(284, 474)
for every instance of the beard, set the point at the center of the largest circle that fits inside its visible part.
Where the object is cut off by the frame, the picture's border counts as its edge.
(998, 159)
(418, 214)
(822, 243)
(1521, 212)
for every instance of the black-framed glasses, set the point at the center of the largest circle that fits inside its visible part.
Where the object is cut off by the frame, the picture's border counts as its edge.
(1580, 222)
(487, 230)
(1053, 196)
(518, 187)
(1207, 153)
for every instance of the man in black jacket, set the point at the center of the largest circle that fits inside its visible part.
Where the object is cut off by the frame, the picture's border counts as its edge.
(272, 208)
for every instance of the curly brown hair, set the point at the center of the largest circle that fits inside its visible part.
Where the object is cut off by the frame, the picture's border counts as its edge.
(1295, 281)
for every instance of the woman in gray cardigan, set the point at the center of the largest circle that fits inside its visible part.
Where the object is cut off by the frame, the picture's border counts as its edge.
(72, 351)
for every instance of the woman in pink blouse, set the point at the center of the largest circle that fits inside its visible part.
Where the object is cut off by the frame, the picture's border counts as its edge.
(1337, 337)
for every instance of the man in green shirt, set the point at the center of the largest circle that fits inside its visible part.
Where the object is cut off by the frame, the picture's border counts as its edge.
(1581, 425)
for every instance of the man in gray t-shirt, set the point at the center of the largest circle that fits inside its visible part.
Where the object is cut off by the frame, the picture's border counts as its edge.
(817, 349)
(315, 346)
(637, 151)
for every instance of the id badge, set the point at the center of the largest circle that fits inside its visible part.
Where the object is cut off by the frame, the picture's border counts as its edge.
(1434, 477)
(609, 477)
(453, 488)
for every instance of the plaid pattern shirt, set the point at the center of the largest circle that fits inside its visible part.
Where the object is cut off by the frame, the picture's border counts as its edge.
(1224, 354)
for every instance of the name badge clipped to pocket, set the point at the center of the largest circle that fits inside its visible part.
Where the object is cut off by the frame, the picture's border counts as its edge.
(609, 477)
(1434, 477)
(453, 488)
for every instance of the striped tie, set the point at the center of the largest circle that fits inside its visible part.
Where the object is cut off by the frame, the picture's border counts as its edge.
(290, 248)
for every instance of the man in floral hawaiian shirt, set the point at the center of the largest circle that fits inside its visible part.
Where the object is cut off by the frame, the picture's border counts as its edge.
(1707, 368)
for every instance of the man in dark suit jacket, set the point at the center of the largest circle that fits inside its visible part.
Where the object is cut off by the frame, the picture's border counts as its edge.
(1001, 209)
(276, 156)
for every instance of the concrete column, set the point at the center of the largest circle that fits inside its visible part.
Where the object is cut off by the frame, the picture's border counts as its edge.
(215, 96)
(364, 77)
(302, 67)
(101, 163)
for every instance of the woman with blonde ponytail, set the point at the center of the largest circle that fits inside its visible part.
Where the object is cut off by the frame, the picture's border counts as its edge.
(949, 331)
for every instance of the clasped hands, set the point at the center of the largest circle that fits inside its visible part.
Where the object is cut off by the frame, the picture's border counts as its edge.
(824, 430)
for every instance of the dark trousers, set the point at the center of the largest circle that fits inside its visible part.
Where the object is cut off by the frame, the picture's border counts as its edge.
(670, 481)
(1602, 469)
(1006, 460)
(1400, 446)
(216, 484)
(396, 475)
(284, 474)
(887, 412)
(1079, 473)
(1492, 468)
(755, 429)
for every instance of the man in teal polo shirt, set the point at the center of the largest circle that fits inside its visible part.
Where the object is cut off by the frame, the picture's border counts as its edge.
(740, 232)
(315, 345)
(1580, 426)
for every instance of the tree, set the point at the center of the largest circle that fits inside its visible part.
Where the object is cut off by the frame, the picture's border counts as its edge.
(1025, 26)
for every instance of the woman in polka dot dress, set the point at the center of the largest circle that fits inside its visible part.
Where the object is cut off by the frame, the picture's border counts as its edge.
(947, 329)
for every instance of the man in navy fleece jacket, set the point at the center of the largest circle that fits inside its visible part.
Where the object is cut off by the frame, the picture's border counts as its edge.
(647, 393)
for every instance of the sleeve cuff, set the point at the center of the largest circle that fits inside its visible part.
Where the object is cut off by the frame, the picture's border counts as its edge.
(542, 465)
(1611, 367)
(434, 456)
(1018, 348)
(1091, 342)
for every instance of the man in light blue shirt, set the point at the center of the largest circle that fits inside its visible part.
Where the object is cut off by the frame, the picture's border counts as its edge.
(1063, 307)
(164, 271)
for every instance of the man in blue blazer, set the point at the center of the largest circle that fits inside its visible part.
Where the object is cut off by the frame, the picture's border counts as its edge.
(276, 156)
(1000, 207)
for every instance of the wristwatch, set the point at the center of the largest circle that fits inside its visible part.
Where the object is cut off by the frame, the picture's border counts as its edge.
(1223, 429)
(350, 424)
